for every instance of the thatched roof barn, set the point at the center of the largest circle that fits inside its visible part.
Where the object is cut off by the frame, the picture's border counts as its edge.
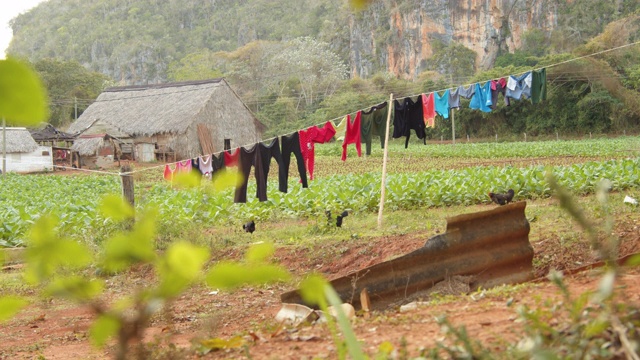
(23, 153)
(176, 117)
(87, 146)
(19, 141)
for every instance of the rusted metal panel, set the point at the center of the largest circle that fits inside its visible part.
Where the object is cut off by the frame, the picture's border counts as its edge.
(491, 245)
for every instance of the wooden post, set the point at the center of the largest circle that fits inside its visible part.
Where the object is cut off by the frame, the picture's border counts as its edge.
(384, 161)
(127, 184)
(453, 126)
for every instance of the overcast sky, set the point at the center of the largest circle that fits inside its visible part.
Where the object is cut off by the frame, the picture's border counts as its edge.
(8, 10)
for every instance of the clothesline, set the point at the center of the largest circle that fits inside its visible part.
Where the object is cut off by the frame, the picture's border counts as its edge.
(400, 98)
(536, 69)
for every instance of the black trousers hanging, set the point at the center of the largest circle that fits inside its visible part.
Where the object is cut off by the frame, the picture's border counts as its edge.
(268, 151)
(291, 145)
(248, 158)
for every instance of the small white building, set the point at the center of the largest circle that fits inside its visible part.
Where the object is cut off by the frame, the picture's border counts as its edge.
(24, 155)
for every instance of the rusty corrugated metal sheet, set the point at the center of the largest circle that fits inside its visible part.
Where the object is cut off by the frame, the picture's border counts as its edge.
(492, 245)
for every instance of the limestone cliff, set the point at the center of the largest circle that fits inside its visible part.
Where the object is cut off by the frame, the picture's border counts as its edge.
(397, 35)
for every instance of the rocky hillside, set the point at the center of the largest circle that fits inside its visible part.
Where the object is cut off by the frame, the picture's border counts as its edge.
(398, 36)
(134, 41)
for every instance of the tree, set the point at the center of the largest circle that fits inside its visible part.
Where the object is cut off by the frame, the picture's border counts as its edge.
(200, 65)
(317, 69)
(69, 84)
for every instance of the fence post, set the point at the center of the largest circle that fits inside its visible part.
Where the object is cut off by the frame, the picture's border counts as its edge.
(127, 184)
(384, 162)
(453, 126)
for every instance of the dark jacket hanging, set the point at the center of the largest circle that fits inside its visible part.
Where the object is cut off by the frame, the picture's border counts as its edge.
(408, 116)
(373, 123)
(291, 145)
(217, 163)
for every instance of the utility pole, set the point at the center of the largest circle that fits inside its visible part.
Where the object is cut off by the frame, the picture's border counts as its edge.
(75, 105)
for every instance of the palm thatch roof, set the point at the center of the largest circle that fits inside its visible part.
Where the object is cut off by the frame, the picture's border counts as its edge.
(18, 141)
(50, 133)
(88, 146)
(149, 109)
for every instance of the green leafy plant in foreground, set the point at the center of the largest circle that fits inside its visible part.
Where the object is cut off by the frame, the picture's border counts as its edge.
(57, 265)
(23, 102)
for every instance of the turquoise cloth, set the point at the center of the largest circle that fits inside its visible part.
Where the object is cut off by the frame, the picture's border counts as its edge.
(442, 104)
(481, 100)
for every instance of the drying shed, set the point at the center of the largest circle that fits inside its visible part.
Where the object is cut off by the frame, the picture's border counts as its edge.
(24, 155)
(49, 135)
(184, 119)
(60, 142)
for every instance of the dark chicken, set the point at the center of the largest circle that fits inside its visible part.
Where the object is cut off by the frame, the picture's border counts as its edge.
(502, 199)
(340, 217)
(249, 227)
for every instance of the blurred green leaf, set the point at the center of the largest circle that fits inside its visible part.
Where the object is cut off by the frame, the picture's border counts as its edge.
(220, 344)
(115, 207)
(102, 329)
(180, 266)
(23, 99)
(633, 260)
(360, 4)
(226, 179)
(136, 246)
(312, 289)
(230, 275)
(187, 180)
(75, 288)
(9, 306)
(47, 252)
(186, 259)
(259, 252)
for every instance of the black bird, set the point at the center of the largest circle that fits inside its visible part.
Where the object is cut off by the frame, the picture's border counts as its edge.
(502, 199)
(340, 217)
(249, 227)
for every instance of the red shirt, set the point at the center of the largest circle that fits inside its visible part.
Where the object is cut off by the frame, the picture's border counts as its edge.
(352, 135)
(308, 139)
(231, 159)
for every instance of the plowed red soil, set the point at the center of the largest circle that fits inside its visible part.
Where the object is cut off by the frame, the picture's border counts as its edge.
(56, 329)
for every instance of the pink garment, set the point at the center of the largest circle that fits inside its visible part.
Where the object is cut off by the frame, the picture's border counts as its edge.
(502, 82)
(352, 135)
(308, 139)
(429, 110)
(183, 166)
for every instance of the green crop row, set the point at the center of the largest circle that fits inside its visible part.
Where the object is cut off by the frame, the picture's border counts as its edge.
(75, 199)
(498, 150)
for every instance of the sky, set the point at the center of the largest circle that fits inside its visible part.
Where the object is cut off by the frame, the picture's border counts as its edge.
(8, 10)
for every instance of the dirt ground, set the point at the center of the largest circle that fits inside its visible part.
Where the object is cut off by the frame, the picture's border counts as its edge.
(56, 329)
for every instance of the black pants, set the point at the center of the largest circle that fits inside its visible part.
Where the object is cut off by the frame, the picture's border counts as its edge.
(248, 158)
(268, 151)
(291, 144)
